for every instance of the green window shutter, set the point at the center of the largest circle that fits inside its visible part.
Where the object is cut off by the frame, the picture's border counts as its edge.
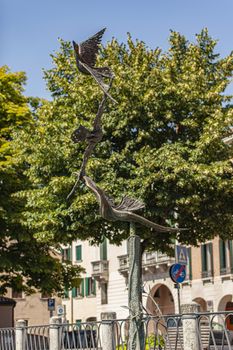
(103, 249)
(190, 262)
(203, 258)
(231, 254)
(66, 294)
(83, 287)
(69, 254)
(222, 254)
(74, 292)
(94, 287)
(78, 253)
(87, 285)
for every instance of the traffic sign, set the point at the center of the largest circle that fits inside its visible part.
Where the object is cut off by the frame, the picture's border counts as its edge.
(60, 310)
(177, 273)
(181, 255)
(51, 304)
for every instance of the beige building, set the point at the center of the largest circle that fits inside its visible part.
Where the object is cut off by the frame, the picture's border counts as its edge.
(33, 309)
(209, 280)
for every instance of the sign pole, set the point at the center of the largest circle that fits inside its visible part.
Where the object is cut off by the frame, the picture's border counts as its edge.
(177, 286)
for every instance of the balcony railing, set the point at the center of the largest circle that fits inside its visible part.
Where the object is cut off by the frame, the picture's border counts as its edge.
(123, 264)
(207, 274)
(226, 271)
(150, 261)
(100, 270)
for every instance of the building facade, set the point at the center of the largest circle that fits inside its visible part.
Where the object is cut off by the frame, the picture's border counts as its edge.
(209, 280)
(33, 309)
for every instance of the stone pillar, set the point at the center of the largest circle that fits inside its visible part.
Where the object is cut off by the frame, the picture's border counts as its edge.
(136, 329)
(108, 340)
(190, 326)
(20, 335)
(55, 333)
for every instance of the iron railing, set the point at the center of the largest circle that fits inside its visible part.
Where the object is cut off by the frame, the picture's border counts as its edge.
(213, 331)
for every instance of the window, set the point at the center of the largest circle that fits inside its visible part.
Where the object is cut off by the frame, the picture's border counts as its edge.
(222, 256)
(225, 257)
(90, 286)
(103, 250)
(66, 254)
(104, 293)
(207, 260)
(78, 251)
(16, 294)
(78, 292)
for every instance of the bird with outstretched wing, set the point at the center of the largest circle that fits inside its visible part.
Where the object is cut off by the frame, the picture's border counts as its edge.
(125, 210)
(86, 54)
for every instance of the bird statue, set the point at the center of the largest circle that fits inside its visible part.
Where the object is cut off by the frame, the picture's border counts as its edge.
(125, 210)
(86, 54)
(83, 134)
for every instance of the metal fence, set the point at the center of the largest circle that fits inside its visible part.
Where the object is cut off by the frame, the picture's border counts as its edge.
(199, 331)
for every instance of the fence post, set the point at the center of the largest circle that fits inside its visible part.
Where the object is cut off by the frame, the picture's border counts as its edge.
(108, 340)
(20, 335)
(54, 333)
(190, 326)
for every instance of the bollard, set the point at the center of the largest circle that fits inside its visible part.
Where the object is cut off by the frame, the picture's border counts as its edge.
(190, 326)
(20, 335)
(54, 333)
(108, 340)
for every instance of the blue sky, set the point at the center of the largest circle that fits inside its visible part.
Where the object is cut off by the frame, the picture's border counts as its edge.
(29, 29)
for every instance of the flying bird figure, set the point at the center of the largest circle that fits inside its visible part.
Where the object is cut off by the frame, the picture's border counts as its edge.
(86, 54)
(125, 210)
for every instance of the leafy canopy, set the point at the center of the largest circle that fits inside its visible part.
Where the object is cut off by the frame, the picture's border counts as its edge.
(25, 263)
(163, 143)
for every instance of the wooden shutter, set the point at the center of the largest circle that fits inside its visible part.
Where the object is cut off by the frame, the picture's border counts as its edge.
(83, 287)
(222, 254)
(203, 258)
(78, 253)
(103, 249)
(74, 292)
(87, 285)
(190, 262)
(66, 294)
(231, 254)
(69, 254)
(94, 286)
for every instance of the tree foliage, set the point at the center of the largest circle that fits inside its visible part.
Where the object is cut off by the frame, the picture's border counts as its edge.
(25, 263)
(162, 144)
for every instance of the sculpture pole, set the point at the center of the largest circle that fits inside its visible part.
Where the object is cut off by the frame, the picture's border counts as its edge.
(85, 54)
(136, 330)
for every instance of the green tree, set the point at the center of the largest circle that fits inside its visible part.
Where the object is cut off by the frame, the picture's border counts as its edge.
(162, 144)
(25, 263)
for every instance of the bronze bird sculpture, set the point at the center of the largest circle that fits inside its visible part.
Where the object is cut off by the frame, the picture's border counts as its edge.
(86, 54)
(125, 210)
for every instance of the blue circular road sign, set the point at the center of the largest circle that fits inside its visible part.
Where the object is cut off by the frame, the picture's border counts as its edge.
(177, 273)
